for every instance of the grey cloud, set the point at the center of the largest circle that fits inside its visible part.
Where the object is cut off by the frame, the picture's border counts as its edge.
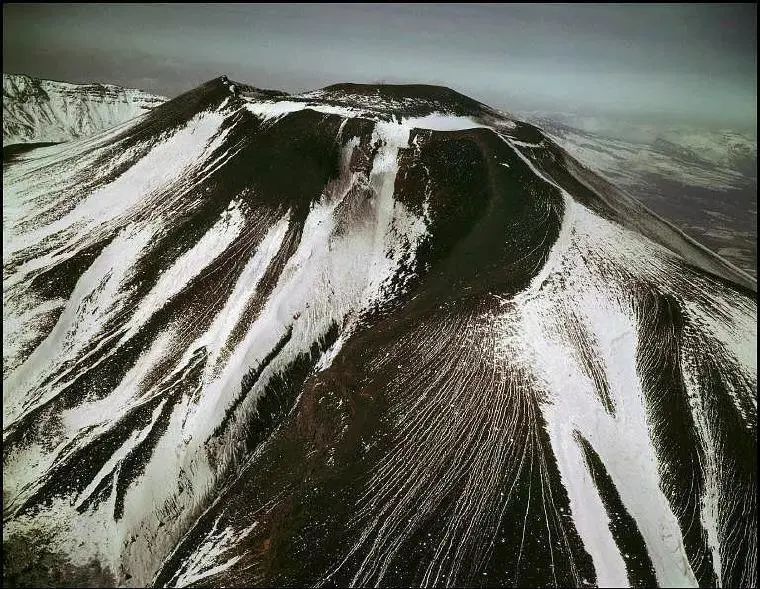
(672, 61)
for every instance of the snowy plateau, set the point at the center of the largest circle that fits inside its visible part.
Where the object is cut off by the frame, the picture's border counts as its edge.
(368, 335)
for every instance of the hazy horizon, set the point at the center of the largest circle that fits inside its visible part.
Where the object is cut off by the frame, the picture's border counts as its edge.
(662, 63)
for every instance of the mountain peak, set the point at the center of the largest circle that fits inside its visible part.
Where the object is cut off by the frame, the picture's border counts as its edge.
(399, 91)
(410, 98)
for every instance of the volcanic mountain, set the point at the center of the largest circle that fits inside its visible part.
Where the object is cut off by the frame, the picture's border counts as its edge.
(368, 335)
(45, 111)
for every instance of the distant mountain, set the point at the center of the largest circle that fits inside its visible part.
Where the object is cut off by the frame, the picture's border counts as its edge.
(703, 180)
(365, 336)
(45, 111)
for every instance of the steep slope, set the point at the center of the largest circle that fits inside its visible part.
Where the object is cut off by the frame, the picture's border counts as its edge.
(44, 111)
(703, 180)
(367, 336)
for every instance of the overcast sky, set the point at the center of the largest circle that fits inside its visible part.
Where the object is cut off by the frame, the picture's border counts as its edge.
(670, 62)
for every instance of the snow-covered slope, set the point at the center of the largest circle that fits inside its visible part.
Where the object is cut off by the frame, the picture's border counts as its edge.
(367, 336)
(704, 180)
(44, 111)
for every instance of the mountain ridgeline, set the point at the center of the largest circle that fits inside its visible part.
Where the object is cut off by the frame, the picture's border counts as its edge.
(45, 111)
(367, 335)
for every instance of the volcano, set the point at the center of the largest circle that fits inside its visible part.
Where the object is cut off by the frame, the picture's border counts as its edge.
(369, 335)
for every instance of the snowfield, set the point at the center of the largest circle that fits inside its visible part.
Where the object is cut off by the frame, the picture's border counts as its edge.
(44, 111)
